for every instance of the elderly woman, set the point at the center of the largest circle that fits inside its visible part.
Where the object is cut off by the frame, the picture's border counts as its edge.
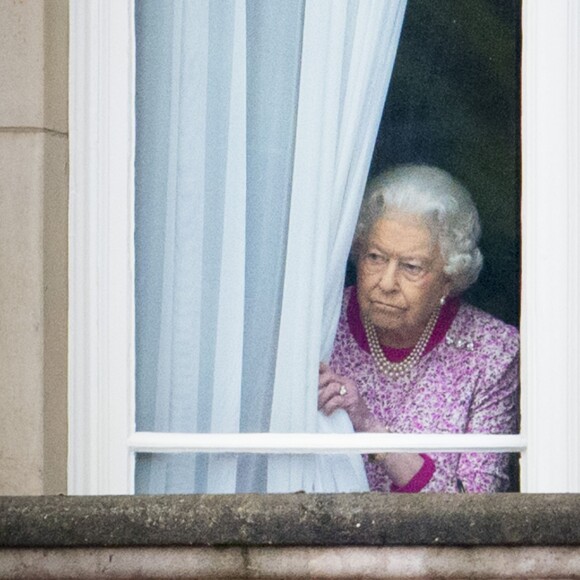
(410, 356)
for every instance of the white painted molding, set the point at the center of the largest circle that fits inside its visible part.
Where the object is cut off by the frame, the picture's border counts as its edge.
(551, 251)
(100, 246)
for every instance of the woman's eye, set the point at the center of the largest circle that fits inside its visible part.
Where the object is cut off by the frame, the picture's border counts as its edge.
(413, 269)
(374, 257)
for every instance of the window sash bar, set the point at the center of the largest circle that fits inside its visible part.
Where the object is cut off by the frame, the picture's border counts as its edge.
(302, 443)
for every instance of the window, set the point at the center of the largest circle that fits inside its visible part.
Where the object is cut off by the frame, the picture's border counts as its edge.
(101, 372)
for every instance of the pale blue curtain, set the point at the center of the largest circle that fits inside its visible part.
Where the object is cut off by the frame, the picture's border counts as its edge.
(255, 125)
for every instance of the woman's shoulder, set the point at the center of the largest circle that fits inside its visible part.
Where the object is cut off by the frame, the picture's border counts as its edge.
(346, 311)
(347, 294)
(347, 354)
(483, 330)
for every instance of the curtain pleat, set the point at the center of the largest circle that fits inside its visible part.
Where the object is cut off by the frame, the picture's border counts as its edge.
(348, 56)
(274, 29)
(256, 121)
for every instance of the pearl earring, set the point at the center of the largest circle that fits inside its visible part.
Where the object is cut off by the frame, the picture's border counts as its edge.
(442, 300)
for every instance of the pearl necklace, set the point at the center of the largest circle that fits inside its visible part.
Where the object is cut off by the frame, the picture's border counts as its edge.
(396, 370)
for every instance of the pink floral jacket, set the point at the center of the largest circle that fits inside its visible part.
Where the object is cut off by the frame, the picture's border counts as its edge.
(466, 382)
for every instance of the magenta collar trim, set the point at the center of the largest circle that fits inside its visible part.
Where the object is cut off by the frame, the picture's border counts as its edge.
(446, 318)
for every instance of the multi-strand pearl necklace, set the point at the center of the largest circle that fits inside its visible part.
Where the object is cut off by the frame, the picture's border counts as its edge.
(398, 369)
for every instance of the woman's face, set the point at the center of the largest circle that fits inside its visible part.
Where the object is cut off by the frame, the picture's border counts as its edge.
(400, 279)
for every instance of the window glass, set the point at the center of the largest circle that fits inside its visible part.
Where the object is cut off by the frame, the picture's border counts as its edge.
(453, 103)
(194, 472)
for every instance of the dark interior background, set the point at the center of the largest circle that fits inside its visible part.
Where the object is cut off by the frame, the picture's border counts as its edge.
(454, 102)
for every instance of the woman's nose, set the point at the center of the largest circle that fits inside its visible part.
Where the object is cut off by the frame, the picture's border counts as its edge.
(389, 280)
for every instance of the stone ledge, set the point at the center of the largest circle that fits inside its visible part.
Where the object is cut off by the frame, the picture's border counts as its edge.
(293, 563)
(290, 520)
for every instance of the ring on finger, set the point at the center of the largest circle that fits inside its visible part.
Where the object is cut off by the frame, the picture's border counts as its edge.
(342, 391)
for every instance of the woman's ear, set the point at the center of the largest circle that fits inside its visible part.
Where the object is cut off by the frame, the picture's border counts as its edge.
(447, 286)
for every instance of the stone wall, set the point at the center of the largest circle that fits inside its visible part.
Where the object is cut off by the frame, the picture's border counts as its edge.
(33, 245)
(291, 536)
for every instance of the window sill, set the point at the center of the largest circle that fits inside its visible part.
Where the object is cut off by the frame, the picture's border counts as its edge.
(291, 536)
(290, 520)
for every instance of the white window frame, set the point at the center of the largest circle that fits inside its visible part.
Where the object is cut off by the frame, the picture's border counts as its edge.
(102, 435)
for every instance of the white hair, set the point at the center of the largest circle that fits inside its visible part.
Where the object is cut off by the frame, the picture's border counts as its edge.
(442, 202)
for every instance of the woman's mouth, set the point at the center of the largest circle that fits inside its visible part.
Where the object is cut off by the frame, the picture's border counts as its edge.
(386, 307)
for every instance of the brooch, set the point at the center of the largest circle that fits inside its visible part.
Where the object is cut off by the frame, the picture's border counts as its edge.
(459, 343)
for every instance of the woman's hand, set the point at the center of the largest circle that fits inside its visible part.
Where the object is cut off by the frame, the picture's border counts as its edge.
(401, 467)
(337, 392)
